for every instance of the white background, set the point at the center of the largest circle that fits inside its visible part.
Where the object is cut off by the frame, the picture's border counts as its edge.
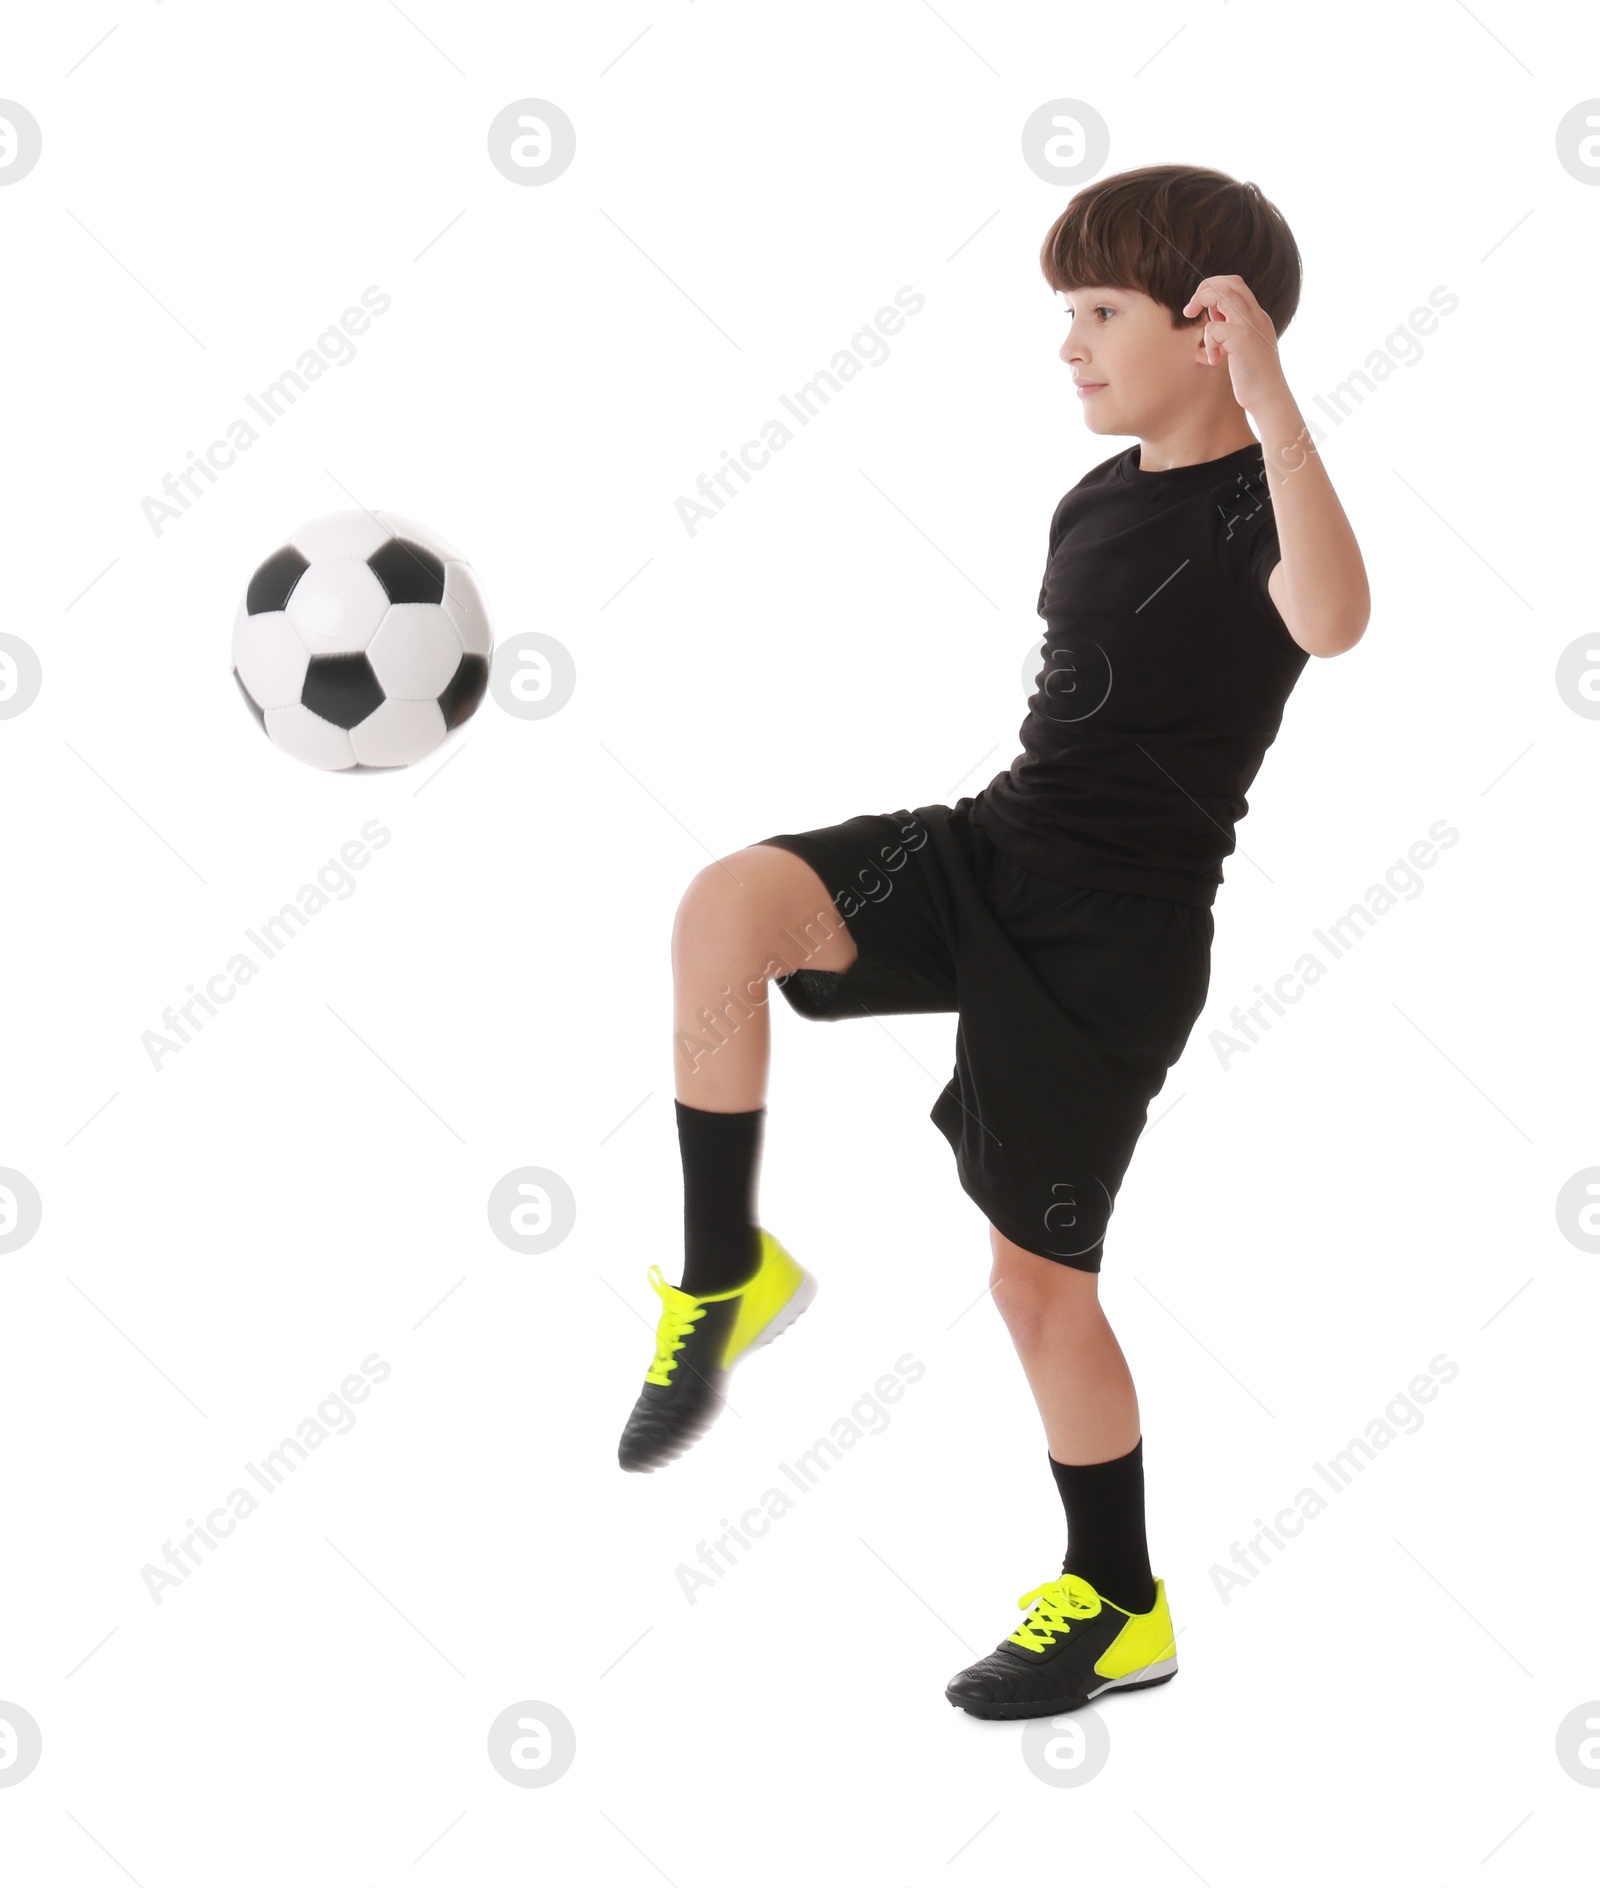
(305, 1182)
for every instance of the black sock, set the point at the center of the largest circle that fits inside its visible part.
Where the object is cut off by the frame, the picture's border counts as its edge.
(1105, 1527)
(721, 1155)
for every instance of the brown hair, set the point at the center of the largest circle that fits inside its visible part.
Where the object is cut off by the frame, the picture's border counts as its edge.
(1162, 229)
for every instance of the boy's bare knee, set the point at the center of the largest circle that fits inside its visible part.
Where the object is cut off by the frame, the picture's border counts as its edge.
(751, 910)
(721, 909)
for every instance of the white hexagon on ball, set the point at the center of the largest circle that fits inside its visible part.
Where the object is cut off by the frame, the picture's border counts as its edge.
(398, 733)
(354, 534)
(336, 607)
(415, 652)
(309, 738)
(270, 658)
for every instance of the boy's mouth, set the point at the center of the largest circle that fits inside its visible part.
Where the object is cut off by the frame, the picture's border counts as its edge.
(1086, 387)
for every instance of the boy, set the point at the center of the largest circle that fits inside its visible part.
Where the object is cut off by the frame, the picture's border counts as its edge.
(1064, 912)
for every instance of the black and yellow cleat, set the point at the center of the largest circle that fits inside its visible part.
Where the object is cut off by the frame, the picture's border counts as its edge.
(1072, 1647)
(698, 1341)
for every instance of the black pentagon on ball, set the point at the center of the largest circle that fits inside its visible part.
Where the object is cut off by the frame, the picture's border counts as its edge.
(342, 689)
(464, 690)
(408, 572)
(250, 701)
(272, 585)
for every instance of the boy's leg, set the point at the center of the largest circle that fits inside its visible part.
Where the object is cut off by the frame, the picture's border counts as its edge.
(1081, 1383)
(759, 913)
(1104, 1624)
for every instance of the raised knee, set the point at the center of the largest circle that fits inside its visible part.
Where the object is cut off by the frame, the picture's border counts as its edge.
(713, 899)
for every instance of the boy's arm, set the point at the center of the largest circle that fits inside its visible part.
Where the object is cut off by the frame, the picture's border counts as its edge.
(1320, 586)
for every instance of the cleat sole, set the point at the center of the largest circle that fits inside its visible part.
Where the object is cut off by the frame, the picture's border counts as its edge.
(1058, 1707)
(795, 1308)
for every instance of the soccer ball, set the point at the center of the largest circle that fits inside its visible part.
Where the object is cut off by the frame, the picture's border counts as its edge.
(363, 642)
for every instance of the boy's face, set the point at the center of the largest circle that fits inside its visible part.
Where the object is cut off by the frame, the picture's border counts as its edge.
(1136, 371)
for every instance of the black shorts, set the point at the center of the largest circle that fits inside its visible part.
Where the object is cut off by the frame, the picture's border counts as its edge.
(1072, 1003)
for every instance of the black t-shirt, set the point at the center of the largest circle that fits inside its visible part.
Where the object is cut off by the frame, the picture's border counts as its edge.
(1164, 679)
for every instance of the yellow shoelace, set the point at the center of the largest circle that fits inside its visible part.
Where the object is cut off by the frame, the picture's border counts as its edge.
(1055, 1605)
(679, 1315)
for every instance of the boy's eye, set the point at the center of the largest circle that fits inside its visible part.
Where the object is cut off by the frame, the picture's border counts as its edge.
(1100, 308)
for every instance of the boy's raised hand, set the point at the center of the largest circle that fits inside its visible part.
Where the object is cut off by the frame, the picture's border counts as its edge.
(1239, 329)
